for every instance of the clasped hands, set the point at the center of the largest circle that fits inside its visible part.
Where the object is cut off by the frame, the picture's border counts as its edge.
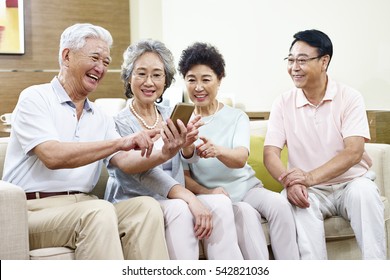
(296, 182)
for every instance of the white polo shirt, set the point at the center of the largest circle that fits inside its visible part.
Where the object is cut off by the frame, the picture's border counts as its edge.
(45, 112)
(315, 134)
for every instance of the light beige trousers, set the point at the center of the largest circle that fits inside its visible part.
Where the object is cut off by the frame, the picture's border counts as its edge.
(97, 229)
(357, 201)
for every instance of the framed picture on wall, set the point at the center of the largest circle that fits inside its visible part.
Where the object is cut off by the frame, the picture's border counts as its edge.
(11, 27)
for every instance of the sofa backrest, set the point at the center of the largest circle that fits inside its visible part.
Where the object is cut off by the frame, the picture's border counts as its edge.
(111, 106)
(101, 184)
(258, 127)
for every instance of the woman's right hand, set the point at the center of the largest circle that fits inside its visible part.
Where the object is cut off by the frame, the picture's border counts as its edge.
(203, 219)
(219, 190)
(172, 138)
(192, 131)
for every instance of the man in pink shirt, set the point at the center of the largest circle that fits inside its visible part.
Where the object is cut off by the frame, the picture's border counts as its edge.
(324, 125)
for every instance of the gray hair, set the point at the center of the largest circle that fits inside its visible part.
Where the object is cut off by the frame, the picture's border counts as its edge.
(74, 37)
(134, 51)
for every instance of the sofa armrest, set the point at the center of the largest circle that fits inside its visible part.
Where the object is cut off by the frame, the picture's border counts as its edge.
(380, 155)
(13, 223)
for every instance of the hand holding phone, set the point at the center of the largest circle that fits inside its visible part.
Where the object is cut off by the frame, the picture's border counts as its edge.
(182, 111)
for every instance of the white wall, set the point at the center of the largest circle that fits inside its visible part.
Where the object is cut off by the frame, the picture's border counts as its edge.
(254, 37)
(145, 19)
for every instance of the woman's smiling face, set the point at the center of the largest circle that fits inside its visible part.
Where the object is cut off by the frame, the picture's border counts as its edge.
(148, 78)
(202, 85)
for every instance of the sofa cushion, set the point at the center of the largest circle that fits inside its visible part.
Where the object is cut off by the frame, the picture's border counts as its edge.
(52, 253)
(256, 161)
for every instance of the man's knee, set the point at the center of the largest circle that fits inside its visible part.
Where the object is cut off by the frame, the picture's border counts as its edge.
(363, 189)
(149, 205)
(100, 211)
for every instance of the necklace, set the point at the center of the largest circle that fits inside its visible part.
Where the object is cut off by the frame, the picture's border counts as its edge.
(212, 116)
(142, 120)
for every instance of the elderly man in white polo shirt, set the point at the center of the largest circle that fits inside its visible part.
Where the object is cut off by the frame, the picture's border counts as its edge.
(58, 144)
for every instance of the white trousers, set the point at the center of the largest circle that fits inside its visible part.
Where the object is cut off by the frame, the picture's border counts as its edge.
(357, 201)
(179, 229)
(261, 202)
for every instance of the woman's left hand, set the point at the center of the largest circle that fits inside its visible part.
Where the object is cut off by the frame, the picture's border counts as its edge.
(219, 190)
(203, 219)
(207, 149)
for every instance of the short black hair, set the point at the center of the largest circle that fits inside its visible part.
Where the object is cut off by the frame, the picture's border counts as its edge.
(202, 54)
(316, 39)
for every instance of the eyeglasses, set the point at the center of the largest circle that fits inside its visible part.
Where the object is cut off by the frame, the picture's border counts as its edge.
(142, 76)
(300, 60)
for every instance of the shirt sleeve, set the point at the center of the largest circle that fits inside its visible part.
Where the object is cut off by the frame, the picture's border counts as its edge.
(241, 135)
(275, 135)
(355, 121)
(156, 180)
(32, 124)
(193, 159)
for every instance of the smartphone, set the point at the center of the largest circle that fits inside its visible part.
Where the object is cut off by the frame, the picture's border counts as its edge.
(182, 111)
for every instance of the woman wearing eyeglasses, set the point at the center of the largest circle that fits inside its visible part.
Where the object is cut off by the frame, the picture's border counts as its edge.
(147, 71)
(222, 168)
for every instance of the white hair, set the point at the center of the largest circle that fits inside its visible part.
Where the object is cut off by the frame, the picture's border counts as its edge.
(74, 37)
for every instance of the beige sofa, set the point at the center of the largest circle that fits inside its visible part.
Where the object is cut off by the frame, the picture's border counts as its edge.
(341, 243)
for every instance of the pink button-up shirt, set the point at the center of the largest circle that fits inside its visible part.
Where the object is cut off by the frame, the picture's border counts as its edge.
(315, 134)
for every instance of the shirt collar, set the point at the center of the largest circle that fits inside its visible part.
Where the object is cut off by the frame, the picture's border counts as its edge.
(63, 97)
(330, 93)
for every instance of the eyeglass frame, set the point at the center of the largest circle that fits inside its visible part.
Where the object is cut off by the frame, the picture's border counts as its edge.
(139, 77)
(290, 61)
